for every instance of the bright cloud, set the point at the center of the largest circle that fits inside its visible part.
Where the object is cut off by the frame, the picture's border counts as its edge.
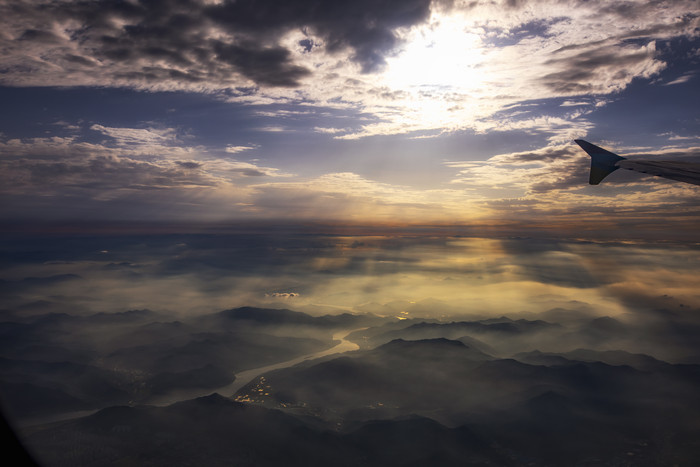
(436, 66)
(237, 149)
(137, 136)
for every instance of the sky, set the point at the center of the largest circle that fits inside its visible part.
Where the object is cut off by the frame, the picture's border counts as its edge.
(368, 112)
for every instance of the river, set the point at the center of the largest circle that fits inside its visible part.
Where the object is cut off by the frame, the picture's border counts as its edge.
(245, 376)
(241, 379)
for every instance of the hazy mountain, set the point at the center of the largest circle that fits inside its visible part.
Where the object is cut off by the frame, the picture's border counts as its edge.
(417, 393)
(57, 362)
(29, 388)
(453, 383)
(610, 357)
(397, 378)
(365, 338)
(274, 316)
(284, 322)
(494, 336)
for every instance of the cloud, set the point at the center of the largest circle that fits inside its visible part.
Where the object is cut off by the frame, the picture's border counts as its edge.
(272, 129)
(573, 103)
(189, 164)
(99, 174)
(67, 125)
(365, 27)
(330, 131)
(600, 70)
(413, 66)
(350, 197)
(283, 295)
(136, 173)
(553, 167)
(269, 66)
(145, 173)
(546, 155)
(248, 169)
(237, 149)
(531, 171)
(681, 79)
(137, 136)
(198, 42)
(549, 186)
(386, 271)
(675, 137)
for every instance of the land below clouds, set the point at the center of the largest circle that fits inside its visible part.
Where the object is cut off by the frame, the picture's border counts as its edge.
(494, 391)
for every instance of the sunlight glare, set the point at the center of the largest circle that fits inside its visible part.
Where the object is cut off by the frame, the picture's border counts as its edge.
(441, 54)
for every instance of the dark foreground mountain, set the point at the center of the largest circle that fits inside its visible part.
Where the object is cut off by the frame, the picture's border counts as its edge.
(546, 430)
(215, 431)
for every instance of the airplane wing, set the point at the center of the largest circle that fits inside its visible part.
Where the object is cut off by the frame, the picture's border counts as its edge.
(604, 162)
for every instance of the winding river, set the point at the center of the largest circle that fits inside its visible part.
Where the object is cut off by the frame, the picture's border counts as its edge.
(241, 379)
(246, 376)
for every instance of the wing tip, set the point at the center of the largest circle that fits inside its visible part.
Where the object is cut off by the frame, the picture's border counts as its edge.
(603, 162)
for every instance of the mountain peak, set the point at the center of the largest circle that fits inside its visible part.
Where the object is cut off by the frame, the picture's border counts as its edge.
(423, 343)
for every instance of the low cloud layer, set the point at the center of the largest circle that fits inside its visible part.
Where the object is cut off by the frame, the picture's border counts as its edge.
(404, 275)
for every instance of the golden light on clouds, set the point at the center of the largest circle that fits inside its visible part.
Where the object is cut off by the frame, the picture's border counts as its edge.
(386, 274)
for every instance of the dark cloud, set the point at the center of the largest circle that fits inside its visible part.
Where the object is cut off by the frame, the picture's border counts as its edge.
(39, 36)
(195, 41)
(250, 172)
(96, 174)
(627, 10)
(189, 164)
(573, 174)
(267, 66)
(563, 167)
(547, 154)
(365, 26)
(529, 30)
(549, 262)
(77, 59)
(591, 71)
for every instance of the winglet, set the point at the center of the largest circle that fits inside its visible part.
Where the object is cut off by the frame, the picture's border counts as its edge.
(603, 162)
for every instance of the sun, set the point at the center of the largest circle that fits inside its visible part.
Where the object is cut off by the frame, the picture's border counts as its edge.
(437, 74)
(441, 55)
